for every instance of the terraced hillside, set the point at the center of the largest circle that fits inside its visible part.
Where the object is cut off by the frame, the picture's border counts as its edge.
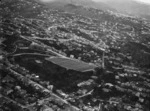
(32, 35)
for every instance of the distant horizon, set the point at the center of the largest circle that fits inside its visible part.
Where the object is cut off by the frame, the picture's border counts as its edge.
(141, 1)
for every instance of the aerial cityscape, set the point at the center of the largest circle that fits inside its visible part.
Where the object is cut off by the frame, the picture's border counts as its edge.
(74, 55)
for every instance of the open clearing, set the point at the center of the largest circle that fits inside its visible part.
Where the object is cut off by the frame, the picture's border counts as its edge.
(72, 64)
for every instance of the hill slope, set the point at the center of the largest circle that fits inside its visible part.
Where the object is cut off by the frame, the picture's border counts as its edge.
(87, 3)
(130, 7)
(32, 33)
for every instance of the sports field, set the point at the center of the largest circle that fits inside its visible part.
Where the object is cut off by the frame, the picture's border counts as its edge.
(72, 64)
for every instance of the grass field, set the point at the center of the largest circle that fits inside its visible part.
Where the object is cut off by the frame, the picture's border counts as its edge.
(72, 64)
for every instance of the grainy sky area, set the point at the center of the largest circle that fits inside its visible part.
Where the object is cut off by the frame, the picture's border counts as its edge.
(144, 1)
